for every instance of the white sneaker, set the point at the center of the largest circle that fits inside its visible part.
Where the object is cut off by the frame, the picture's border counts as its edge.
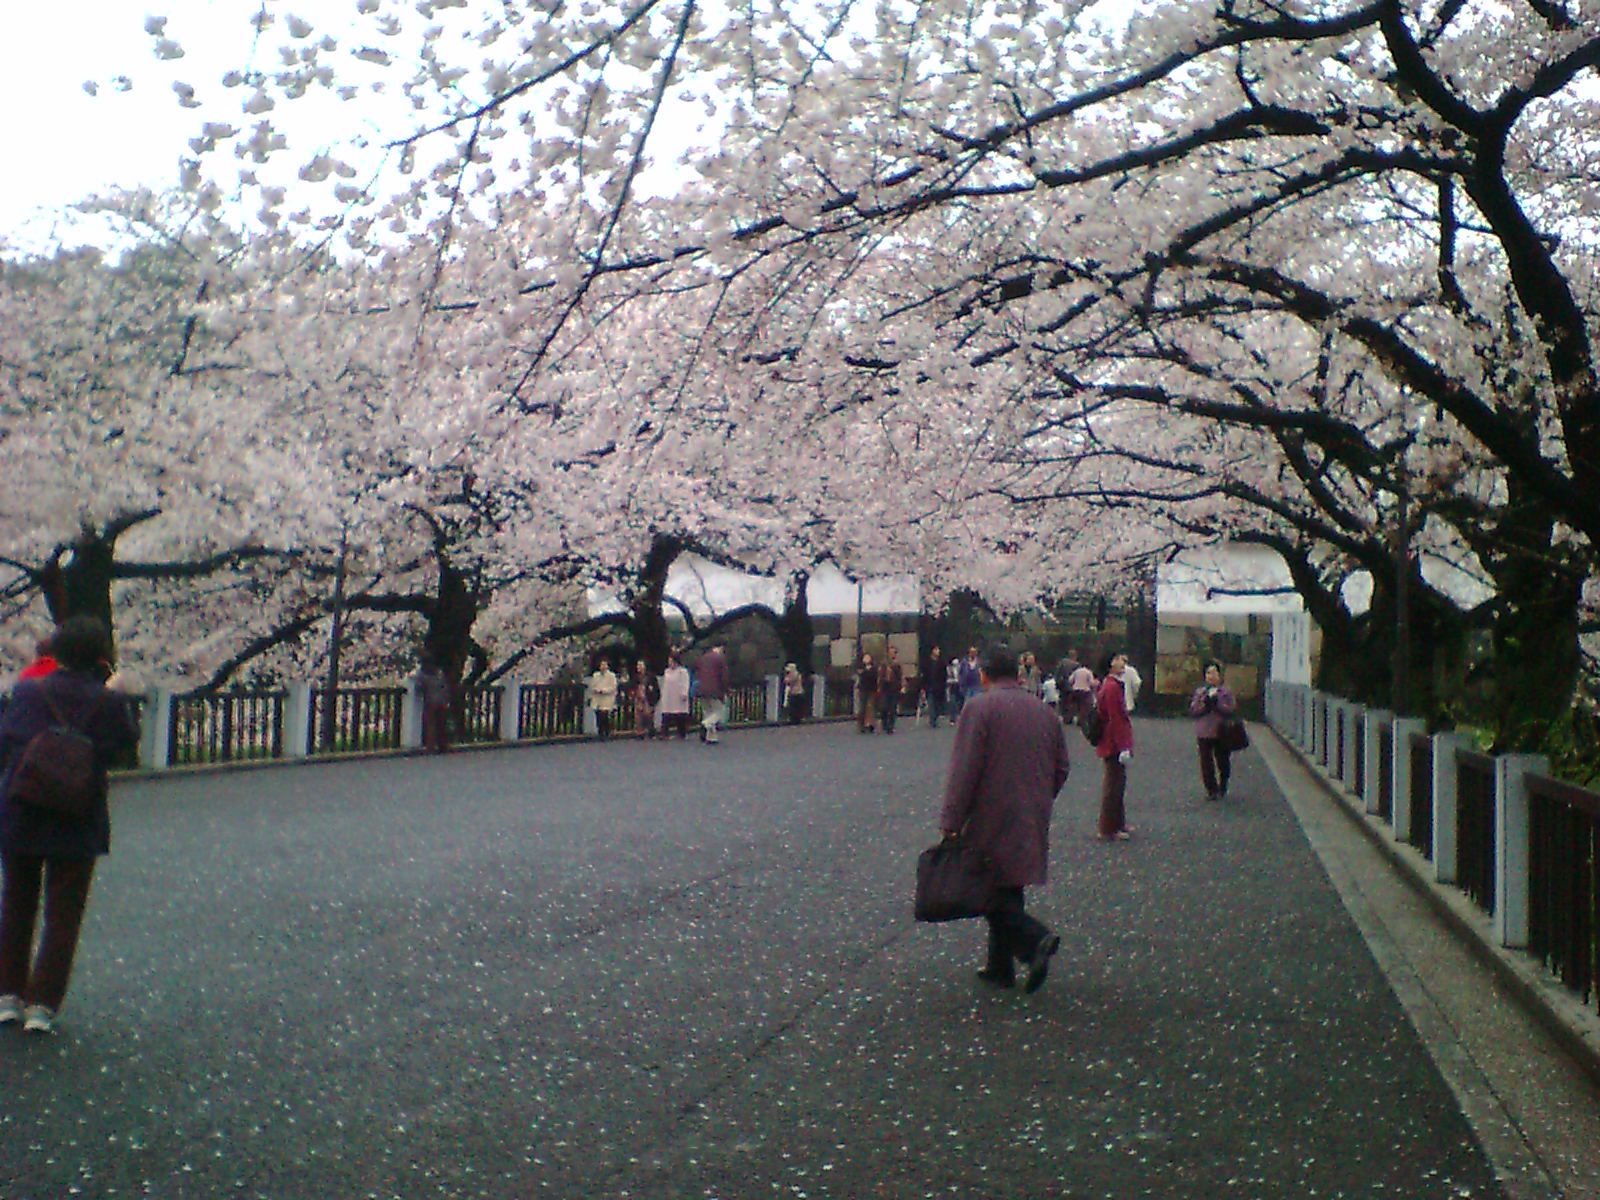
(38, 1018)
(10, 1009)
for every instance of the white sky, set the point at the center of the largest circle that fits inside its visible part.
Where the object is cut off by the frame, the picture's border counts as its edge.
(60, 144)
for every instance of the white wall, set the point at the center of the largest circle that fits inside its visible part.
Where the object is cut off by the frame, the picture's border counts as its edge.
(709, 588)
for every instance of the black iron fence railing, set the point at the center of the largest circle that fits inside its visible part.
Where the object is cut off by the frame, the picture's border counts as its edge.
(480, 714)
(840, 700)
(232, 726)
(550, 710)
(365, 718)
(1358, 738)
(1564, 882)
(1386, 771)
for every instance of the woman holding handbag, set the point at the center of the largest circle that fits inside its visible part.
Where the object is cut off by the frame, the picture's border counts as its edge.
(1212, 706)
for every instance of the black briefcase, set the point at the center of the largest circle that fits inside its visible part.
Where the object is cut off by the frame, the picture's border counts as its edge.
(955, 882)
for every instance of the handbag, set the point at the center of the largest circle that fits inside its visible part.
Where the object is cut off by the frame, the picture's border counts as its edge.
(955, 882)
(1233, 737)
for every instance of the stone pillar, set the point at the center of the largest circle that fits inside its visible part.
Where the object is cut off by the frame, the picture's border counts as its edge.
(819, 696)
(510, 709)
(1444, 806)
(1353, 717)
(774, 700)
(1510, 919)
(411, 718)
(1400, 779)
(155, 732)
(1372, 728)
(297, 721)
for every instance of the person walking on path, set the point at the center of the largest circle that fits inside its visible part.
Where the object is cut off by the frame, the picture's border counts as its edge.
(1115, 749)
(934, 685)
(866, 696)
(891, 683)
(646, 695)
(1211, 703)
(794, 693)
(711, 677)
(970, 676)
(49, 850)
(603, 697)
(1028, 673)
(1008, 763)
(433, 694)
(1081, 685)
(675, 697)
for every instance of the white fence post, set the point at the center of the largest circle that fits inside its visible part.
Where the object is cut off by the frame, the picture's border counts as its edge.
(819, 697)
(155, 734)
(510, 710)
(1510, 920)
(1444, 806)
(774, 700)
(1400, 787)
(411, 717)
(1372, 758)
(297, 721)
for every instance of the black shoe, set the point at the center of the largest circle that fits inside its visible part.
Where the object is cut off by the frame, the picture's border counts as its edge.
(1039, 964)
(998, 977)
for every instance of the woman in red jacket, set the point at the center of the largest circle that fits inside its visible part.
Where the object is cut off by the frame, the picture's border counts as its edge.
(1115, 748)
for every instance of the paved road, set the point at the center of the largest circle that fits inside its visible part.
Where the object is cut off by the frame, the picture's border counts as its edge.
(687, 972)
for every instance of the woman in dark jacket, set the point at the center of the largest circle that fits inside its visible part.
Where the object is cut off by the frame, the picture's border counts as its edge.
(1210, 704)
(867, 696)
(47, 850)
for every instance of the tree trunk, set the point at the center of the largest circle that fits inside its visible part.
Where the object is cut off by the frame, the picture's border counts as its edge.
(794, 627)
(648, 624)
(82, 587)
(448, 638)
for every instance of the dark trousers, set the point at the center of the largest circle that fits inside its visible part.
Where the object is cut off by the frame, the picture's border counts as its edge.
(602, 722)
(935, 709)
(797, 708)
(889, 706)
(1215, 767)
(680, 720)
(66, 891)
(1112, 786)
(1013, 934)
(436, 727)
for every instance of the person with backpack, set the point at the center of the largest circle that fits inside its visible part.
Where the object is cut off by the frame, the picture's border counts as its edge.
(57, 738)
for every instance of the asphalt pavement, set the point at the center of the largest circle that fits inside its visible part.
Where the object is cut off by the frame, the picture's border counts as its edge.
(676, 971)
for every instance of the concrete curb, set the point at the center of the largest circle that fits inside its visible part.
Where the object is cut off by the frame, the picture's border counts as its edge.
(1575, 1027)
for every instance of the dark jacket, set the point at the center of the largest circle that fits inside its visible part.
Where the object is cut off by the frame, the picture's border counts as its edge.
(891, 680)
(1009, 761)
(1113, 705)
(867, 681)
(96, 711)
(935, 680)
(711, 676)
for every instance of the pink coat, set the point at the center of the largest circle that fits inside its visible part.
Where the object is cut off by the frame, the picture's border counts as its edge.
(1113, 705)
(1208, 712)
(1009, 761)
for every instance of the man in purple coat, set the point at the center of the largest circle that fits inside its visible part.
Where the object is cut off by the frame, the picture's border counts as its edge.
(1009, 761)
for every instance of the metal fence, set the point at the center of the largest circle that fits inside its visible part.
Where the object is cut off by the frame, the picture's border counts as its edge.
(365, 718)
(549, 710)
(840, 700)
(231, 726)
(480, 714)
(1475, 827)
(1386, 771)
(1564, 882)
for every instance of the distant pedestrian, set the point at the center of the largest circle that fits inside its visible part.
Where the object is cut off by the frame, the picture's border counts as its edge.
(1115, 750)
(44, 661)
(433, 692)
(1028, 674)
(46, 849)
(867, 696)
(971, 675)
(952, 691)
(935, 685)
(794, 693)
(603, 697)
(1081, 688)
(1131, 683)
(1008, 763)
(711, 679)
(891, 684)
(1211, 703)
(646, 695)
(675, 702)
